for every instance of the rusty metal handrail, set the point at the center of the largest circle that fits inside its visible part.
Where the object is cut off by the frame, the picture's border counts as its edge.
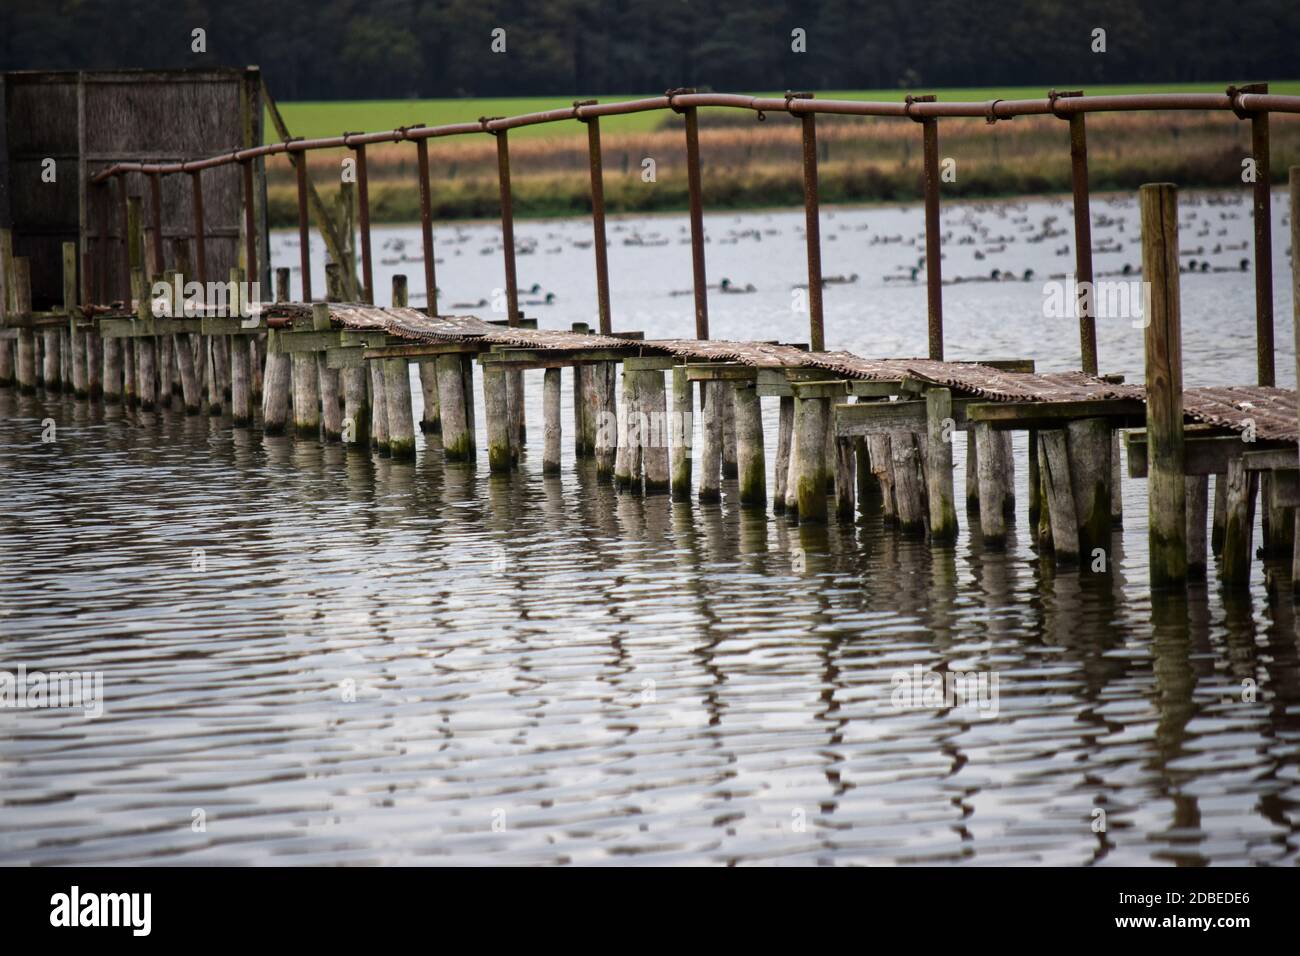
(1001, 109)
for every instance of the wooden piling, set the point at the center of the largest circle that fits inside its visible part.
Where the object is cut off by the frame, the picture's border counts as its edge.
(6, 362)
(784, 439)
(76, 336)
(456, 403)
(146, 353)
(751, 460)
(496, 407)
(1239, 524)
(905, 455)
(430, 420)
(846, 484)
(711, 396)
(1293, 176)
(1164, 386)
(581, 393)
(1089, 446)
(992, 484)
(808, 461)
(241, 377)
(212, 373)
(1197, 495)
(880, 454)
(22, 300)
(551, 421)
(972, 473)
(401, 420)
(730, 468)
(378, 408)
(652, 402)
(683, 434)
(1220, 519)
(277, 379)
(357, 413)
(1058, 495)
(940, 429)
(600, 418)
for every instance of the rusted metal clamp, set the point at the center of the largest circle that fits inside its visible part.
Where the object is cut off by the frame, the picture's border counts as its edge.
(1235, 92)
(483, 123)
(578, 104)
(347, 133)
(401, 131)
(677, 91)
(789, 95)
(1054, 95)
(991, 115)
(909, 99)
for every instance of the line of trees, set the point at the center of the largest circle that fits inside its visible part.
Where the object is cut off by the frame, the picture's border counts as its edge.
(373, 49)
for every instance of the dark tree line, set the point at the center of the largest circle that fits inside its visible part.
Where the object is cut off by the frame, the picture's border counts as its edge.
(359, 49)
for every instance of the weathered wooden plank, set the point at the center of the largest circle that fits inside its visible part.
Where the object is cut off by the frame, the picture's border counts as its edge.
(1025, 415)
(881, 418)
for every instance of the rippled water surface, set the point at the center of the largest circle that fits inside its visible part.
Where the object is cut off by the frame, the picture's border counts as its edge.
(311, 655)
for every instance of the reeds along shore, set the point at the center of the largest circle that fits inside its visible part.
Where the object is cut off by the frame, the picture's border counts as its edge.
(750, 163)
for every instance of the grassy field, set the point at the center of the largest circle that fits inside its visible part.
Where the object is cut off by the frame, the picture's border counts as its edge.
(330, 119)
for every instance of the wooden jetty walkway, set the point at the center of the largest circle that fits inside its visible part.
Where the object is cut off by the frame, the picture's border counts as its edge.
(855, 433)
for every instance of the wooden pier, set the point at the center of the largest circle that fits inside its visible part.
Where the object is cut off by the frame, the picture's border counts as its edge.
(855, 433)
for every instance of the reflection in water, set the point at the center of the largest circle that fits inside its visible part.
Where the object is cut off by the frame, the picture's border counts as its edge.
(340, 658)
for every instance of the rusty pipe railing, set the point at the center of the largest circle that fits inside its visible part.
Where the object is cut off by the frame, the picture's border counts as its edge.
(1251, 102)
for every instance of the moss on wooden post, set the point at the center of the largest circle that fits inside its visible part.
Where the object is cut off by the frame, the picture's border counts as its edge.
(711, 397)
(496, 408)
(456, 402)
(1239, 524)
(401, 419)
(751, 460)
(1089, 446)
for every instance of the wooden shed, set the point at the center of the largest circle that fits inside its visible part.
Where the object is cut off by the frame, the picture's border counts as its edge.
(60, 128)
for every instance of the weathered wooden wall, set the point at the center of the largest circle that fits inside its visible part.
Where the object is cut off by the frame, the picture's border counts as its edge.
(86, 121)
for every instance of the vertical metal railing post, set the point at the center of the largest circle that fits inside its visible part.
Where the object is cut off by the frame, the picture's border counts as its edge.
(507, 224)
(200, 239)
(598, 217)
(812, 226)
(426, 227)
(691, 118)
(933, 252)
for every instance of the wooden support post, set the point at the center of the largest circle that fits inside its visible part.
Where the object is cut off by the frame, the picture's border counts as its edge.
(430, 420)
(456, 401)
(1239, 526)
(515, 401)
(627, 460)
(880, 453)
(711, 396)
(76, 337)
(1295, 554)
(213, 375)
(1219, 522)
(357, 413)
(331, 410)
(940, 429)
(130, 380)
(600, 418)
(1054, 465)
(580, 395)
(809, 458)
(378, 407)
(846, 484)
(277, 379)
(905, 455)
(1197, 494)
(551, 421)
(306, 396)
(22, 299)
(8, 347)
(992, 483)
(1035, 482)
(6, 362)
(683, 434)
(241, 380)
(729, 458)
(401, 420)
(53, 360)
(1164, 386)
(146, 354)
(652, 403)
(972, 474)
(784, 439)
(1116, 483)
(495, 404)
(1088, 445)
(751, 459)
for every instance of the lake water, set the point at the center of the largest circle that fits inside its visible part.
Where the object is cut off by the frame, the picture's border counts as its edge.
(311, 655)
